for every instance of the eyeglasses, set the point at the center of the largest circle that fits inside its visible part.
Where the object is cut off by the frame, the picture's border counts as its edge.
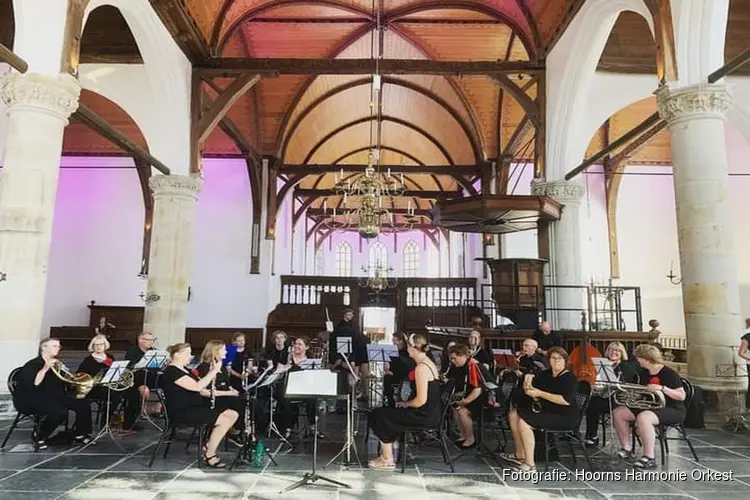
(557, 358)
(99, 344)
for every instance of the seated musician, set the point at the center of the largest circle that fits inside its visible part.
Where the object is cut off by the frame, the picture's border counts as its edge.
(145, 380)
(236, 368)
(279, 353)
(39, 392)
(598, 406)
(530, 360)
(478, 352)
(225, 396)
(468, 383)
(547, 338)
(96, 363)
(421, 412)
(397, 370)
(288, 413)
(186, 404)
(657, 378)
(555, 391)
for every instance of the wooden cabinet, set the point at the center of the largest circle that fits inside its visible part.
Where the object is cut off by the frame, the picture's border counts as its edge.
(518, 289)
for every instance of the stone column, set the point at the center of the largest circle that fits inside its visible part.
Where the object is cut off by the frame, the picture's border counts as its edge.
(175, 197)
(710, 292)
(565, 252)
(38, 111)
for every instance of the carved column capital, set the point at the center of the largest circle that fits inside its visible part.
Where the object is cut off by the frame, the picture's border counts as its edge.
(175, 186)
(567, 193)
(695, 101)
(55, 95)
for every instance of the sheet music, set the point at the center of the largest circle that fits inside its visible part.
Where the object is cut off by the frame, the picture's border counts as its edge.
(312, 383)
(502, 352)
(381, 353)
(311, 364)
(114, 373)
(152, 359)
(272, 378)
(604, 370)
(344, 345)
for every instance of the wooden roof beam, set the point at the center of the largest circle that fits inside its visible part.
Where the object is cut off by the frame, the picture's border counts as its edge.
(415, 193)
(221, 105)
(183, 28)
(313, 169)
(233, 66)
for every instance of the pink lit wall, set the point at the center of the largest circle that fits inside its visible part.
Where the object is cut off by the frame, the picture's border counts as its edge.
(96, 240)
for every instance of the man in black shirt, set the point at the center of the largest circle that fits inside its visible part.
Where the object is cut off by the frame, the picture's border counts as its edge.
(39, 392)
(357, 348)
(530, 361)
(145, 380)
(546, 338)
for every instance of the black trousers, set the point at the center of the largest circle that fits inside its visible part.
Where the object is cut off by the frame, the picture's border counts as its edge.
(55, 410)
(99, 393)
(597, 407)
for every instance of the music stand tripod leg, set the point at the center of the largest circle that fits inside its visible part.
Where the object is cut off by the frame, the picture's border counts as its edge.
(106, 429)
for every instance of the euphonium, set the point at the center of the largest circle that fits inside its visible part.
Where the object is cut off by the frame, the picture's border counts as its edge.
(83, 382)
(637, 397)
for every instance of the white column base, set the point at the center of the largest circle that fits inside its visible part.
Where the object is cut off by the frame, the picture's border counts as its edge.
(14, 354)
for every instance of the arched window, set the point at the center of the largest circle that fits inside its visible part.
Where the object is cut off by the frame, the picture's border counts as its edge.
(411, 259)
(343, 259)
(319, 262)
(377, 258)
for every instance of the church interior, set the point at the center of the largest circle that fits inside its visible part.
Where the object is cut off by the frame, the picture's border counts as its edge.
(467, 185)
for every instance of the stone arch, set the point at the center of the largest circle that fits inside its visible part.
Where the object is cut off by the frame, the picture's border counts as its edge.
(700, 36)
(165, 122)
(572, 78)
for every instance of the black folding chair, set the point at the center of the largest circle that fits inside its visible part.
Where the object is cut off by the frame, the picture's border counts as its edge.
(170, 430)
(573, 436)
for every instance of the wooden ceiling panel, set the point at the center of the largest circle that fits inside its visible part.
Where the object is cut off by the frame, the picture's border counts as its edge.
(295, 40)
(738, 32)
(396, 47)
(512, 115)
(598, 142)
(275, 96)
(7, 23)
(440, 87)
(549, 15)
(235, 46)
(311, 12)
(359, 49)
(320, 86)
(428, 115)
(518, 51)
(461, 42)
(346, 107)
(107, 38)
(451, 14)
(219, 143)
(353, 137)
(204, 12)
(387, 157)
(630, 47)
(80, 139)
(413, 143)
(484, 97)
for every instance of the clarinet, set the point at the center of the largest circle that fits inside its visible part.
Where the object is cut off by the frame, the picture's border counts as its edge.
(213, 391)
(249, 431)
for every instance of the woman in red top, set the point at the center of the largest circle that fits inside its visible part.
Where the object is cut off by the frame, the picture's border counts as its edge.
(469, 383)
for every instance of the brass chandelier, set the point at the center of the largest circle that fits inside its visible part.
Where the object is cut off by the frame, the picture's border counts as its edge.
(368, 216)
(377, 278)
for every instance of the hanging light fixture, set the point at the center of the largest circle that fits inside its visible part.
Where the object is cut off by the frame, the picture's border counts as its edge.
(378, 278)
(369, 218)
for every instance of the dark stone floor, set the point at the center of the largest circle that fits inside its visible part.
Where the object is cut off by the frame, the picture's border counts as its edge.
(102, 471)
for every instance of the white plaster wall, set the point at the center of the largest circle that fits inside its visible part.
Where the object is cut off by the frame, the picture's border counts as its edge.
(4, 72)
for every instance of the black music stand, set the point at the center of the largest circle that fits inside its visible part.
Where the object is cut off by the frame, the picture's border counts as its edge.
(112, 376)
(381, 354)
(247, 447)
(344, 348)
(316, 385)
(151, 360)
(606, 374)
(273, 377)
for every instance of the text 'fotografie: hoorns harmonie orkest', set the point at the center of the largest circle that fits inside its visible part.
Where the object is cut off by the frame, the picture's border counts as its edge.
(630, 475)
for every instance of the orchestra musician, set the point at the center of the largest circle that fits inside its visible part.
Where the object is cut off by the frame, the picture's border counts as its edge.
(555, 390)
(98, 362)
(530, 360)
(357, 356)
(422, 411)
(236, 368)
(598, 406)
(397, 370)
(186, 404)
(287, 412)
(656, 377)
(478, 352)
(445, 364)
(39, 392)
(279, 353)
(105, 328)
(145, 380)
(225, 397)
(547, 338)
(469, 383)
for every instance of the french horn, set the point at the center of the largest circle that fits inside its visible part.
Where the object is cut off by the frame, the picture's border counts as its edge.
(83, 382)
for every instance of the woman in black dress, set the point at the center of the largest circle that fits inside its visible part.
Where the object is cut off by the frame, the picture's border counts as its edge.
(555, 390)
(226, 397)
(657, 378)
(287, 411)
(478, 352)
(185, 394)
(598, 406)
(397, 370)
(422, 411)
(96, 363)
(469, 384)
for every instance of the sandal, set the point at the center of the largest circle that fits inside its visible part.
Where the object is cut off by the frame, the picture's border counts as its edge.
(512, 458)
(214, 462)
(645, 463)
(524, 467)
(380, 464)
(624, 454)
(40, 445)
(82, 439)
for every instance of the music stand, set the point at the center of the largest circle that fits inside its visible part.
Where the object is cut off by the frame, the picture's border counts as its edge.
(505, 359)
(151, 360)
(344, 348)
(112, 376)
(249, 444)
(605, 374)
(268, 380)
(379, 354)
(311, 364)
(316, 385)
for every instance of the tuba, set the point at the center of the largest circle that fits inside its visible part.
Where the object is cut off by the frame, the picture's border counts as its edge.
(83, 382)
(637, 397)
